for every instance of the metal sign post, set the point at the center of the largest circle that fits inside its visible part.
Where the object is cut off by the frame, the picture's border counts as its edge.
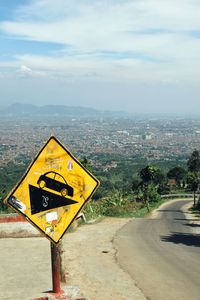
(55, 265)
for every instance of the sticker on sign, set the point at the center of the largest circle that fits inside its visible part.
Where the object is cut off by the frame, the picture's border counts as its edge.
(53, 191)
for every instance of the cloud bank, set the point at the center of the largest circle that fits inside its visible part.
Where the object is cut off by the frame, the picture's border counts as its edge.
(131, 41)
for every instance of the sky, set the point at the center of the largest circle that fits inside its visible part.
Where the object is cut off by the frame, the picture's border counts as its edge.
(133, 55)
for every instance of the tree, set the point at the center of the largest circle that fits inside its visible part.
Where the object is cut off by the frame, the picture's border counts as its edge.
(147, 176)
(135, 185)
(84, 161)
(193, 164)
(193, 181)
(153, 193)
(177, 173)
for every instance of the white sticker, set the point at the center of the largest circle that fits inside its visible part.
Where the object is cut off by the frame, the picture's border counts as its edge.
(69, 165)
(52, 216)
(48, 230)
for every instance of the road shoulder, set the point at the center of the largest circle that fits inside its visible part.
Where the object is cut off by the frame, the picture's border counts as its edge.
(89, 261)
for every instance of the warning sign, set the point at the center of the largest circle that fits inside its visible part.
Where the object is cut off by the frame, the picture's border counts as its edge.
(53, 190)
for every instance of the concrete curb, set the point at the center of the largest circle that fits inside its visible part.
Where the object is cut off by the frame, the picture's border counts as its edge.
(16, 226)
(8, 218)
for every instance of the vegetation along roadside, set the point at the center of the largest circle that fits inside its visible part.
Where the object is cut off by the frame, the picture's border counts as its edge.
(125, 196)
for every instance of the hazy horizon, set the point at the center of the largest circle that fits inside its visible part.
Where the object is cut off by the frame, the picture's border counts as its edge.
(133, 56)
(5, 110)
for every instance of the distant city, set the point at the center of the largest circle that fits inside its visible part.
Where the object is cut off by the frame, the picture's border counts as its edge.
(92, 133)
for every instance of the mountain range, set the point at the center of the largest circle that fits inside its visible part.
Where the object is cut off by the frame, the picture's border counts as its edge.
(30, 110)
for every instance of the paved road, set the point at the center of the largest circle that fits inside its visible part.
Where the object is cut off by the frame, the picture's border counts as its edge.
(162, 254)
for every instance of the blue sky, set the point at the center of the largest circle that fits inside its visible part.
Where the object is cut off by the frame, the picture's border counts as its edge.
(133, 55)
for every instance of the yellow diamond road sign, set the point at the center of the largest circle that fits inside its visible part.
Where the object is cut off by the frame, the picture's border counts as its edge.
(53, 190)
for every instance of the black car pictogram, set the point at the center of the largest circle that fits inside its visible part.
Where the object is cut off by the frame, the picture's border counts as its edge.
(56, 182)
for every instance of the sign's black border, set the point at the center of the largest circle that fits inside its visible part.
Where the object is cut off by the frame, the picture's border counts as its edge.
(26, 173)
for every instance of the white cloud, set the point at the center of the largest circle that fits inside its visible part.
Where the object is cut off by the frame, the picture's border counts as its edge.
(144, 40)
(25, 71)
(14, 71)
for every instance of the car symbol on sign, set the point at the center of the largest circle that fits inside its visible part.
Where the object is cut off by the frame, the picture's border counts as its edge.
(56, 182)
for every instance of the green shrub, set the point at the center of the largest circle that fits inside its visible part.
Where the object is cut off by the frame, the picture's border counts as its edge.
(153, 194)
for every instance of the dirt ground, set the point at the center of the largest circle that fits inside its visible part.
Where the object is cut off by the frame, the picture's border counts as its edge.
(90, 265)
(25, 268)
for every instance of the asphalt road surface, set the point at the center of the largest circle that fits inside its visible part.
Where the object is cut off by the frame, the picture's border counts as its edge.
(162, 254)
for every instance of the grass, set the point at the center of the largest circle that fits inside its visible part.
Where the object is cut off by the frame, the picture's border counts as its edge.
(127, 209)
(142, 211)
